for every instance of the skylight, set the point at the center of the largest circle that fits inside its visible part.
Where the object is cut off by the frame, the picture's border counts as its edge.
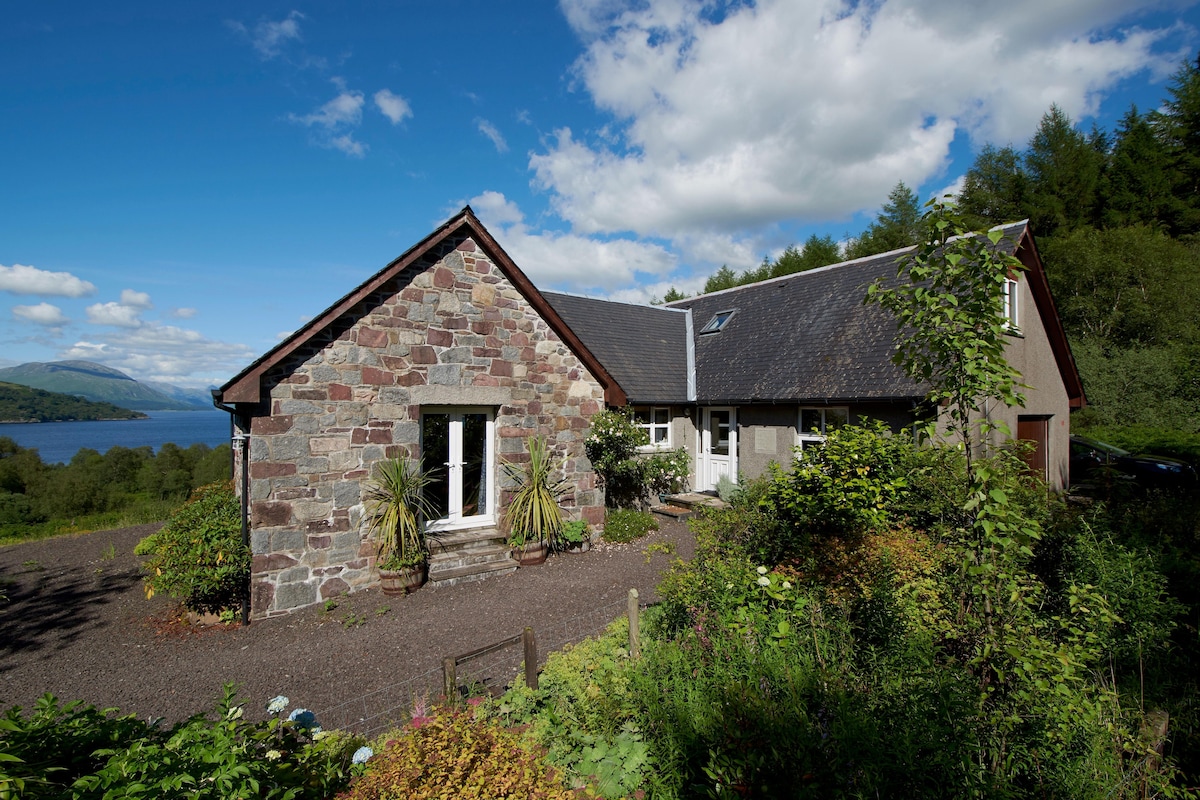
(718, 322)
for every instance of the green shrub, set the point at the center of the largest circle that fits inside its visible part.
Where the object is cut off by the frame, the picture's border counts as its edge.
(457, 754)
(88, 754)
(625, 525)
(198, 556)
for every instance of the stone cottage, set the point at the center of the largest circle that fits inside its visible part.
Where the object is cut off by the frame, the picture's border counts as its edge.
(451, 355)
(448, 354)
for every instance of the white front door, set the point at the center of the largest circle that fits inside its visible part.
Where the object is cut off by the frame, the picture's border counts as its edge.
(718, 448)
(456, 445)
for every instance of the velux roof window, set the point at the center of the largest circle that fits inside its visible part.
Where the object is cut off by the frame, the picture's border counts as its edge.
(718, 322)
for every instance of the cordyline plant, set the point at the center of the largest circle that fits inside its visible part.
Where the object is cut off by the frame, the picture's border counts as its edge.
(948, 301)
(397, 509)
(533, 514)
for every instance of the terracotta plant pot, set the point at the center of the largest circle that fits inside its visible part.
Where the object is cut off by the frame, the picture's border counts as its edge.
(531, 554)
(398, 582)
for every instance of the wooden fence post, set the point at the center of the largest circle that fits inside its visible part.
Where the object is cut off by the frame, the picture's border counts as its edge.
(635, 644)
(531, 658)
(449, 680)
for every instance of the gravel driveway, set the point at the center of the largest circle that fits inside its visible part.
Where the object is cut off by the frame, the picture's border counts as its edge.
(76, 623)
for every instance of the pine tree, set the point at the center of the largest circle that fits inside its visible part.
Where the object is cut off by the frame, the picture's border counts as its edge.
(1137, 188)
(724, 278)
(897, 225)
(996, 188)
(1179, 126)
(1064, 171)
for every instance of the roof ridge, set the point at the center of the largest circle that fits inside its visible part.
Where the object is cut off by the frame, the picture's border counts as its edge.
(580, 296)
(835, 265)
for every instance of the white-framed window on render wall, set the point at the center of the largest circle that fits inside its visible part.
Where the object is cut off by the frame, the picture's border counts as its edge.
(1012, 293)
(817, 422)
(656, 422)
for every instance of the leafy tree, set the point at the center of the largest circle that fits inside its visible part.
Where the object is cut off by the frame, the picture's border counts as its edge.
(996, 188)
(948, 300)
(1124, 286)
(673, 294)
(1064, 172)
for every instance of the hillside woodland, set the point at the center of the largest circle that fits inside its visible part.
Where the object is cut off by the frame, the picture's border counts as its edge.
(23, 404)
(125, 486)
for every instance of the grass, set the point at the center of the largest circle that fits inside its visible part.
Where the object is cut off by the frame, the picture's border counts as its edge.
(150, 511)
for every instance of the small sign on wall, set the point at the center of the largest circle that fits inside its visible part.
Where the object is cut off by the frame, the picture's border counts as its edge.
(764, 440)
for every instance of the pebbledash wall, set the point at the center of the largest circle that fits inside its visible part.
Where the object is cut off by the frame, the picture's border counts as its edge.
(449, 330)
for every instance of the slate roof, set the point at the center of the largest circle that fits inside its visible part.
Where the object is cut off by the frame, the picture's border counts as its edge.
(805, 338)
(644, 348)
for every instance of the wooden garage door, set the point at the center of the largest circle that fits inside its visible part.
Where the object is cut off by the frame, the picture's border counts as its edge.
(1036, 430)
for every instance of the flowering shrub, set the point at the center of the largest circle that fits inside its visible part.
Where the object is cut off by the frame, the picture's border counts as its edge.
(457, 754)
(81, 752)
(612, 448)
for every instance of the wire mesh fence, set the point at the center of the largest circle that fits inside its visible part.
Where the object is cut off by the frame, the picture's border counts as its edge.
(491, 668)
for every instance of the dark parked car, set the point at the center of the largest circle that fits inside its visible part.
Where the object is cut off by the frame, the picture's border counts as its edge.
(1091, 459)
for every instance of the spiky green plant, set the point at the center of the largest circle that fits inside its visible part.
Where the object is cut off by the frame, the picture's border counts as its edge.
(396, 512)
(533, 514)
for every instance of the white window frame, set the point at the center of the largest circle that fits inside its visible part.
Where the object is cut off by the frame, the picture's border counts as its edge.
(806, 438)
(651, 426)
(1012, 305)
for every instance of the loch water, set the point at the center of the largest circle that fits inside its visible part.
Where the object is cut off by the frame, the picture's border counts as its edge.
(59, 441)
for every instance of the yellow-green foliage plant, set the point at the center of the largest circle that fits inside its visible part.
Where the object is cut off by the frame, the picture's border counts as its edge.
(457, 755)
(583, 712)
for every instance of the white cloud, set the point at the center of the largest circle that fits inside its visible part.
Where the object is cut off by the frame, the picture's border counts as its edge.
(345, 109)
(23, 279)
(41, 314)
(135, 299)
(116, 314)
(738, 115)
(332, 120)
(568, 261)
(393, 106)
(492, 132)
(268, 37)
(182, 313)
(165, 353)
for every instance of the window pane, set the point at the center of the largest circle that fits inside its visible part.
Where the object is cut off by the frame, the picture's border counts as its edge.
(662, 416)
(435, 453)
(718, 431)
(836, 418)
(659, 436)
(641, 416)
(810, 420)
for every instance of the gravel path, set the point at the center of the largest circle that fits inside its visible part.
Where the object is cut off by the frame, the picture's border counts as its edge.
(76, 623)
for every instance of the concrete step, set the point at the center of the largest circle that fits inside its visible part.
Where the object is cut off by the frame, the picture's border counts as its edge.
(682, 506)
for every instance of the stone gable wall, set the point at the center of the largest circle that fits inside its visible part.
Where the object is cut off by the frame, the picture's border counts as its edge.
(450, 330)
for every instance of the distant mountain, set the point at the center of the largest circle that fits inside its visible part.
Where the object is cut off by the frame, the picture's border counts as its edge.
(24, 404)
(95, 382)
(201, 399)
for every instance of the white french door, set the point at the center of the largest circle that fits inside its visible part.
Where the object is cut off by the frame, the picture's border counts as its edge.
(718, 448)
(456, 445)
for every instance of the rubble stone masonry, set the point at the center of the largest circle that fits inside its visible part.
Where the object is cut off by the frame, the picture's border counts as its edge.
(451, 330)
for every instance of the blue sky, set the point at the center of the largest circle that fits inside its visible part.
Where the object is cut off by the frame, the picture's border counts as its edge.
(183, 183)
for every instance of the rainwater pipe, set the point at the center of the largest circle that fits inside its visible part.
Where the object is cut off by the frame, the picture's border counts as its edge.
(241, 446)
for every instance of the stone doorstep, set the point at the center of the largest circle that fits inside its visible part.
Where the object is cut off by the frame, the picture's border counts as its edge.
(457, 540)
(471, 572)
(694, 499)
(476, 555)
